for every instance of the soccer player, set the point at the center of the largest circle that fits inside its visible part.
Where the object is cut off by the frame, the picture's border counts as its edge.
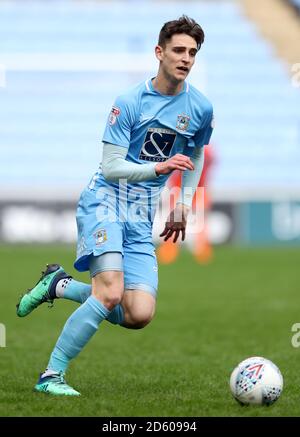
(159, 126)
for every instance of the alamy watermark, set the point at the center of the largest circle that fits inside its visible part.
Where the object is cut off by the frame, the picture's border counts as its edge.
(296, 75)
(137, 204)
(296, 337)
(2, 335)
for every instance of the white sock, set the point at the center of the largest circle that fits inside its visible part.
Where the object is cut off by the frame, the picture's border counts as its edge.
(49, 372)
(61, 286)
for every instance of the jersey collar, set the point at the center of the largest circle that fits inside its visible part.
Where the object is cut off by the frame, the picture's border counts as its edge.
(150, 88)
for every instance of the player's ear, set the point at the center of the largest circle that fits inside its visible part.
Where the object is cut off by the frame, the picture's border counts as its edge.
(159, 52)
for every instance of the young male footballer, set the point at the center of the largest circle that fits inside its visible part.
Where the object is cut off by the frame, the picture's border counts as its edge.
(159, 126)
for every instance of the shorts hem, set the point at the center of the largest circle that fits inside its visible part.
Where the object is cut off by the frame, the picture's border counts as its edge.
(105, 269)
(82, 264)
(142, 287)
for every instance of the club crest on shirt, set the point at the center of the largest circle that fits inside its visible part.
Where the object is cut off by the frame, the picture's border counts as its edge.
(100, 237)
(183, 121)
(114, 113)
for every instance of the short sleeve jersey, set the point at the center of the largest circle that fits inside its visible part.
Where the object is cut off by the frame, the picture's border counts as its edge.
(154, 127)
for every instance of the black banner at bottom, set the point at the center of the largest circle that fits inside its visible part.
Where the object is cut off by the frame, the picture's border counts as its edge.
(132, 426)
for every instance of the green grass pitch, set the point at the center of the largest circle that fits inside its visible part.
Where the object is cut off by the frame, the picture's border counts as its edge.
(208, 319)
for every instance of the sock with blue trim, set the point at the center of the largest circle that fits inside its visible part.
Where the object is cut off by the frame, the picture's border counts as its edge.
(77, 291)
(78, 330)
(70, 289)
(116, 316)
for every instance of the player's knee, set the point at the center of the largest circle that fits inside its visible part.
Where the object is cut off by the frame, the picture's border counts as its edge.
(108, 287)
(140, 319)
(110, 297)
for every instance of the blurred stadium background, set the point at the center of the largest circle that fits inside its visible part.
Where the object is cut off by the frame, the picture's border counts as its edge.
(61, 65)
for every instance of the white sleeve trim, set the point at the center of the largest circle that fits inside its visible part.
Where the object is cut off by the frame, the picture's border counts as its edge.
(190, 178)
(115, 166)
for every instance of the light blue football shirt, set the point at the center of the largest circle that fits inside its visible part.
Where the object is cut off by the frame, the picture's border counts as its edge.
(154, 127)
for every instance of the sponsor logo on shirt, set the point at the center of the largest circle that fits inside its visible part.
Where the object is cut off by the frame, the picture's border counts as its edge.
(157, 144)
(183, 121)
(114, 113)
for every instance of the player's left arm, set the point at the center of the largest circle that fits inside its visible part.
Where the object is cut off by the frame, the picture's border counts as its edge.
(177, 219)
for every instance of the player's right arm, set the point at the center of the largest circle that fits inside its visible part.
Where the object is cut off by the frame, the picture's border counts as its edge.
(177, 162)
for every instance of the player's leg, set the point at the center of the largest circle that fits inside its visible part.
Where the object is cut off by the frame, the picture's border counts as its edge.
(53, 279)
(78, 291)
(54, 283)
(138, 307)
(107, 291)
(94, 238)
(141, 281)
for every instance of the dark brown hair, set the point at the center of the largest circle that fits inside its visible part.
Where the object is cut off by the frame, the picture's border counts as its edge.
(185, 25)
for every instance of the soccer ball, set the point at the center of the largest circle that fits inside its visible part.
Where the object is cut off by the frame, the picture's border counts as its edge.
(256, 380)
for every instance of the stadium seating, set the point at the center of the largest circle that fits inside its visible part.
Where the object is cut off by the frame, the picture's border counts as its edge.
(66, 61)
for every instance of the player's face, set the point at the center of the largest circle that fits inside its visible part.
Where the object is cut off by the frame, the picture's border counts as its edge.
(177, 57)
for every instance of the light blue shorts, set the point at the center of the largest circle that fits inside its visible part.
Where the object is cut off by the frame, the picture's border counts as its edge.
(99, 233)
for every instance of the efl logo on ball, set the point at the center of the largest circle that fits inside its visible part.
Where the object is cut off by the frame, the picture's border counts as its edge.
(256, 381)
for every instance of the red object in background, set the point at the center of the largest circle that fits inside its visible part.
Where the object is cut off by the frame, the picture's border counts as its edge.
(168, 251)
(175, 178)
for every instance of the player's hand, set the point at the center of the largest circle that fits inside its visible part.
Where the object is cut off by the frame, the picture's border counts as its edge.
(177, 162)
(176, 223)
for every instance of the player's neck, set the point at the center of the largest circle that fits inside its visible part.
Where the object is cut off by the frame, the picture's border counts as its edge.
(164, 86)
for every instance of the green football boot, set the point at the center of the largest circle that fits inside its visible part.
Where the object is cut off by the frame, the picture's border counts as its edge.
(44, 290)
(55, 385)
